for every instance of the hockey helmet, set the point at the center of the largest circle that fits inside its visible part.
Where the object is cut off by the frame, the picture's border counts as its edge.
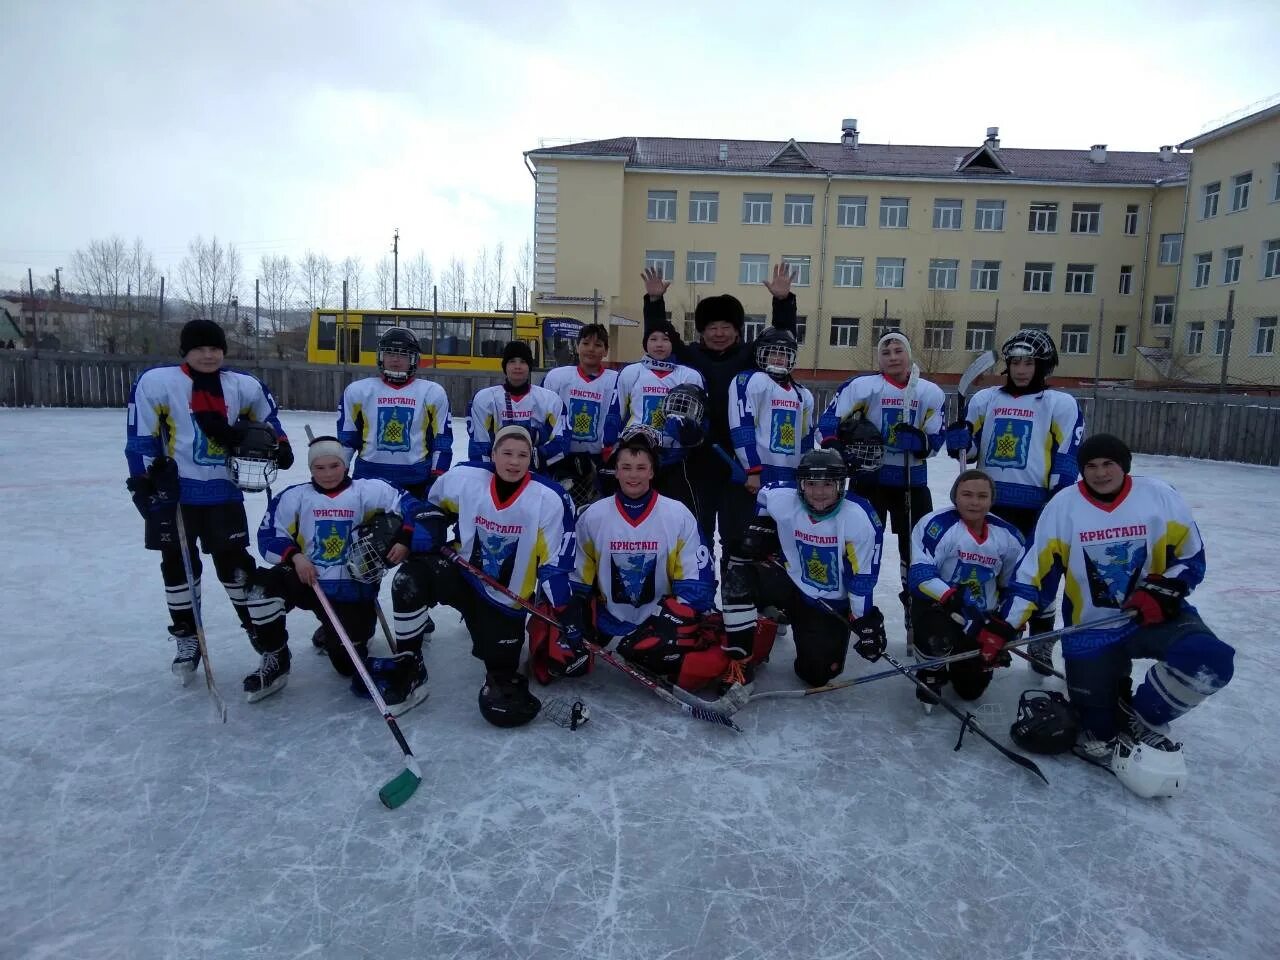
(820, 466)
(1036, 344)
(1046, 723)
(505, 700)
(685, 400)
(861, 443)
(642, 437)
(252, 463)
(370, 543)
(398, 341)
(775, 352)
(1147, 770)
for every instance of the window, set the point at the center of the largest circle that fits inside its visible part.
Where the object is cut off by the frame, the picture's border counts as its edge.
(948, 214)
(757, 208)
(1195, 337)
(883, 325)
(753, 327)
(1240, 190)
(799, 267)
(1086, 218)
(1275, 186)
(1161, 311)
(989, 216)
(848, 272)
(327, 332)
(802, 327)
(1221, 335)
(700, 267)
(979, 335)
(1131, 220)
(937, 334)
(1126, 281)
(985, 275)
(942, 274)
(1043, 218)
(1037, 278)
(1075, 338)
(893, 213)
(753, 268)
(1120, 341)
(664, 261)
(1204, 265)
(890, 272)
(1209, 194)
(1079, 278)
(1231, 258)
(844, 332)
(1264, 336)
(851, 211)
(797, 211)
(1271, 259)
(1170, 248)
(704, 207)
(662, 205)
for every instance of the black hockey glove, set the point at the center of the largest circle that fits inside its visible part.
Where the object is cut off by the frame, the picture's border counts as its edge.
(284, 455)
(430, 530)
(909, 439)
(141, 489)
(869, 636)
(1158, 599)
(759, 539)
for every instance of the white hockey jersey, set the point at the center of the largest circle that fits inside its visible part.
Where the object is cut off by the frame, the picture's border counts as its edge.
(832, 558)
(880, 400)
(641, 388)
(586, 404)
(539, 411)
(771, 425)
(319, 523)
(521, 542)
(160, 423)
(400, 433)
(631, 565)
(1105, 550)
(1027, 444)
(945, 554)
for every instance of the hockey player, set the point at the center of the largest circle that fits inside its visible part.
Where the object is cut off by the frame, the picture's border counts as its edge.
(397, 424)
(309, 535)
(962, 561)
(1025, 436)
(182, 424)
(1122, 543)
(771, 418)
(830, 543)
(517, 401)
(518, 528)
(586, 390)
(643, 567)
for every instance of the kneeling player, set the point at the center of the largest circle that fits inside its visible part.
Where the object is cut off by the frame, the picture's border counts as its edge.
(962, 561)
(830, 543)
(517, 528)
(307, 533)
(642, 562)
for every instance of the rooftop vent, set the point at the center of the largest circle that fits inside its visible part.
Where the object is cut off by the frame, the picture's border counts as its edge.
(1098, 153)
(993, 138)
(1166, 153)
(849, 133)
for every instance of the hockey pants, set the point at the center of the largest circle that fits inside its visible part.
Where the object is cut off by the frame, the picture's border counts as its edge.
(937, 635)
(1025, 519)
(279, 590)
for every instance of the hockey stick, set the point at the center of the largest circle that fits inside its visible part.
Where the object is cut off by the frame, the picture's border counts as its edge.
(400, 787)
(908, 398)
(219, 705)
(661, 687)
(736, 473)
(386, 630)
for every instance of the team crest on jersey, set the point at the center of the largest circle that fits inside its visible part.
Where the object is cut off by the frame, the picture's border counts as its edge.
(393, 428)
(634, 576)
(651, 411)
(1010, 444)
(329, 547)
(1113, 570)
(971, 578)
(782, 431)
(206, 451)
(583, 417)
(495, 554)
(934, 530)
(819, 566)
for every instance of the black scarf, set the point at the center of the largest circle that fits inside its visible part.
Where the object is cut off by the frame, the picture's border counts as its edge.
(209, 407)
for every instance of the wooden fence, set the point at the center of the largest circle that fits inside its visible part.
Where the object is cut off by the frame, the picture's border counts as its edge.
(1209, 427)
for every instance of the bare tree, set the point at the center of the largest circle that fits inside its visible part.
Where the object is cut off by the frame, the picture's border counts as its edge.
(102, 270)
(453, 286)
(932, 333)
(383, 275)
(479, 294)
(353, 272)
(498, 271)
(277, 289)
(210, 275)
(522, 274)
(315, 274)
(419, 278)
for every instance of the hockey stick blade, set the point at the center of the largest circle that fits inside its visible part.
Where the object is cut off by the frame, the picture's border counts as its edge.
(402, 786)
(980, 365)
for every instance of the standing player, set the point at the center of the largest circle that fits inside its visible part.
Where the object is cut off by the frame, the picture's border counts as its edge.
(830, 545)
(181, 428)
(962, 561)
(1122, 543)
(1024, 435)
(517, 402)
(518, 528)
(770, 417)
(586, 390)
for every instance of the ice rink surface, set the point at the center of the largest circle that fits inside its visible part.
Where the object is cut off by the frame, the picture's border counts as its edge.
(843, 825)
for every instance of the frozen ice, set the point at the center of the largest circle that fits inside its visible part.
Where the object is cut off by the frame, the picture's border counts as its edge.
(843, 825)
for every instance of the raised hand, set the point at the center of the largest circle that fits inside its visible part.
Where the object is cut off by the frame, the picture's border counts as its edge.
(654, 285)
(780, 283)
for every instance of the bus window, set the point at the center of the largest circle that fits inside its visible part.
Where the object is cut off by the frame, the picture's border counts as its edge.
(560, 340)
(371, 330)
(492, 334)
(349, 345)
(455, 338)
(326, 336)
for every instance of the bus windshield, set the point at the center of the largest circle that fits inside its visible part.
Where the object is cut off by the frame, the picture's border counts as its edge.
(560, 341)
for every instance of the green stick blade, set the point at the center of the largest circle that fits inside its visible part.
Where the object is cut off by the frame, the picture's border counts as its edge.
(399, 789)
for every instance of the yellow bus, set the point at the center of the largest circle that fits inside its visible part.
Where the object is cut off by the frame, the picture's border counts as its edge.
(448, 340)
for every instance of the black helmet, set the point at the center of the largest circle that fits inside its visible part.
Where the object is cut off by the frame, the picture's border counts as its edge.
(398, 340)
(773, 341)
(370, 543)
(1036, 344)
(252, 463)
(1046, 723)
(645, 439)
(685, 400)
(861, 443)
(822, 465)
(505, 700)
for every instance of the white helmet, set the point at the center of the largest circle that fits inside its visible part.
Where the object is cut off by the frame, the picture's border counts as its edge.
(1148, 771)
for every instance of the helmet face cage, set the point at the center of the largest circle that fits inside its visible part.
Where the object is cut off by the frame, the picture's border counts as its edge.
(639, 433)
(252, 463)
(776, 356)
(684, 402)
(364, 561)
(1035, 344)
(398, 342)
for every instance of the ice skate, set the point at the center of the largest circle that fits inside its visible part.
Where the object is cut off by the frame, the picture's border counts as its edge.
(187, 658)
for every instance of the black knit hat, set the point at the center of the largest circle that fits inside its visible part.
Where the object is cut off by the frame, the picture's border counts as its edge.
(1104, 446)
(724, 307)
(659, 326)
(516, 350)
(201, 333)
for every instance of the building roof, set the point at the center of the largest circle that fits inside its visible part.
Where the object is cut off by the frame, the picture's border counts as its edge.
(981, 163)
(1234, 126)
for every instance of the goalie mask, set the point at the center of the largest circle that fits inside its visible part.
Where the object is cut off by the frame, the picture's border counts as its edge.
(775, 352)
(398, 342)
(861, 444)
(686, 402)
(370, 543)
(821, 466)
(1046, 723)
(252, 463)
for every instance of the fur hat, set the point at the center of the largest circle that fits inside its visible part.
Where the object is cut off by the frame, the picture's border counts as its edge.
(201, 333)
(516, 350)
(723, 307)
(327, 447)
(1104, 446)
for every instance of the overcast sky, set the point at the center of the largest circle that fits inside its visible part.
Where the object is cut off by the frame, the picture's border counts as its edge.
(282, 126)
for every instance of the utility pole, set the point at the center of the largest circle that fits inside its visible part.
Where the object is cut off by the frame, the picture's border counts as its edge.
(57, 283)
(257, 324)
(395, 270)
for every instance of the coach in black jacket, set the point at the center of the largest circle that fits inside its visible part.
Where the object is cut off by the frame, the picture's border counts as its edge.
(719, 355)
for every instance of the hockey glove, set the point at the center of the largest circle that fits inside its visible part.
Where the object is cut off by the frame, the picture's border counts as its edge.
(1157, 600)
(430, 531)
(759, 539)
(959, 437)
(570, 617)
(680, 617)
(991, 635)
(141, 490)
(909, 439)
(284, 454)
(686, 433)
(869, 636)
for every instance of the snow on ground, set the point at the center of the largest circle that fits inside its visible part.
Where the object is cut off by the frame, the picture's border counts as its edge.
(842, 825)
